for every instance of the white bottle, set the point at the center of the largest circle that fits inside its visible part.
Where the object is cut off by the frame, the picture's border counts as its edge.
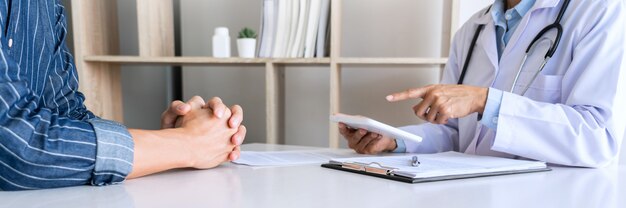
(221, 43)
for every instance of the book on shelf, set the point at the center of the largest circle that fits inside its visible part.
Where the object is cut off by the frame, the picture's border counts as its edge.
(268, 28)
(293, 26)
(323, 30)
(298, 42)
(279, 35)
(311, 33)
(294, 29)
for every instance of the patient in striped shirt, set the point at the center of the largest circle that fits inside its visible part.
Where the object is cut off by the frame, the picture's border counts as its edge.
(49, 139)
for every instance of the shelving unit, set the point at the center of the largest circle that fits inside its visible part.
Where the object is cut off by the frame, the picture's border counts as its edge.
(96, 43)
(200, 60)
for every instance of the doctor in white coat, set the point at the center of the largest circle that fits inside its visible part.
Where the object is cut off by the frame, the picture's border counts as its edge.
(572, 112)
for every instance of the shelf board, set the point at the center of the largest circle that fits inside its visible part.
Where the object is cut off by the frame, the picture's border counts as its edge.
(200, 60)
(203, 60)
(393, 61)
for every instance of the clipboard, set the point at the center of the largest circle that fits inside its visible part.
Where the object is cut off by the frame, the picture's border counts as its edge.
(387, 172)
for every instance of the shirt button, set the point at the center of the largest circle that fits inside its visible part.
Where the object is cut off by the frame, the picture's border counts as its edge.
(494, 120)
(10, 42)
(508, 17)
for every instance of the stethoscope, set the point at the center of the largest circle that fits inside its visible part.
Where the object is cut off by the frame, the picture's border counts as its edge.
(554, 45)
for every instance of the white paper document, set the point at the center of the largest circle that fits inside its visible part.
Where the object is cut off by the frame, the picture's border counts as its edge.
(445, 164)
(289, 158)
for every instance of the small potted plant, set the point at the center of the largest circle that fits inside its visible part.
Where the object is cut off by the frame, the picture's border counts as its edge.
(246, 43)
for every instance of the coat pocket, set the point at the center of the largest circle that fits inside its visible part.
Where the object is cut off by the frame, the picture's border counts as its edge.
(544, 88)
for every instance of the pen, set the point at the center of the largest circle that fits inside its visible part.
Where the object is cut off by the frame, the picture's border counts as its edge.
(415, 162)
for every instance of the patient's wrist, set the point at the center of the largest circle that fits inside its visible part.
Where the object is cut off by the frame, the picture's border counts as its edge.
(182, 147)
(175, 146)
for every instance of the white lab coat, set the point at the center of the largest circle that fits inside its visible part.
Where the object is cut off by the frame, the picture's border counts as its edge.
(573, 114)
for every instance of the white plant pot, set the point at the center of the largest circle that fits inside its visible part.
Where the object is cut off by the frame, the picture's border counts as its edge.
(246, 47)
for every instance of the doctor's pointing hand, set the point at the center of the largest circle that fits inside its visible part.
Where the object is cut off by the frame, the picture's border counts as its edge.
(442, 102)
(531, 79)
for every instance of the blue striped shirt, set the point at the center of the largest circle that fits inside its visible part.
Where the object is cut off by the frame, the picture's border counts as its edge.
(48, 138)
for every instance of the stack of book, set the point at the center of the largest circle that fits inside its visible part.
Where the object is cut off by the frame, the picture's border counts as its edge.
(294, 29)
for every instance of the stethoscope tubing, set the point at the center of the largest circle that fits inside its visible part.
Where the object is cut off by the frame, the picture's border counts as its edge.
(554, 46)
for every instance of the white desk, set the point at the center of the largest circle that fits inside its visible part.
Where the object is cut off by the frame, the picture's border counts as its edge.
(313, 186)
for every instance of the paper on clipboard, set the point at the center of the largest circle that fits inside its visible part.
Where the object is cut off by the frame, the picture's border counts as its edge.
(434, 167)
(372, 125)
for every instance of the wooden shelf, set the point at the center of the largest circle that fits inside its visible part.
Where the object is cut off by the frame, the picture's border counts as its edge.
(393, 61)
(96, 32)
(200, 60)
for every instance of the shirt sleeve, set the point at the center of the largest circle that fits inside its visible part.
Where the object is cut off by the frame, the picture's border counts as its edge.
(42, 148)
(492, 108)
(436, 138)
(114, 152)
(400, 146)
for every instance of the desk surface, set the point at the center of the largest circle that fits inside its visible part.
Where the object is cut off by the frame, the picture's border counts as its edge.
(312, 186)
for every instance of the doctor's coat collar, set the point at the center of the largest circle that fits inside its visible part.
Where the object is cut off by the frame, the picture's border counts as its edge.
(485, 16)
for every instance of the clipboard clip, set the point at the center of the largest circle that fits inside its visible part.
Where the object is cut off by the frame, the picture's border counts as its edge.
(372, 167)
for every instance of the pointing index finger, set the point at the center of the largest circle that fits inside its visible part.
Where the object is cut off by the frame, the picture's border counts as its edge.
(408, 94)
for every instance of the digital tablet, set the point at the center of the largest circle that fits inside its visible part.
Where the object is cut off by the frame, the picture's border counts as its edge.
(362, 122)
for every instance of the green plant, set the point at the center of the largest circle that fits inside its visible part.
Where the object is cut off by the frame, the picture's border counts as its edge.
(247, 33)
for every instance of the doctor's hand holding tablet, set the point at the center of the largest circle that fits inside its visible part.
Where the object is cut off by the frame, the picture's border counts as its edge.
(366, 142)
(368, 136)
(439, 103)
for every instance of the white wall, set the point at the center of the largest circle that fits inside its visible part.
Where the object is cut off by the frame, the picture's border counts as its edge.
(234, 84)
(468, 8)
(371, 28)
(144, 89)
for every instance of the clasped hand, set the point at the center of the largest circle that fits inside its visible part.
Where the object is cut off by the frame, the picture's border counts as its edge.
(213, 131)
